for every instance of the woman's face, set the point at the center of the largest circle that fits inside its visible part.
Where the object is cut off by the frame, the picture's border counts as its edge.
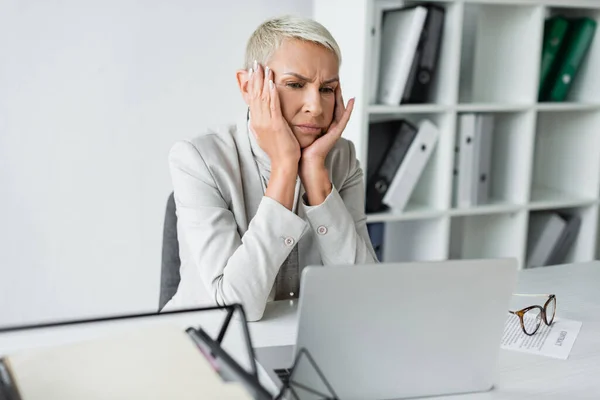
(306, 77)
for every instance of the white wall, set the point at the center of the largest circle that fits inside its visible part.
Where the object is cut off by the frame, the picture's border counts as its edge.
(92, 95)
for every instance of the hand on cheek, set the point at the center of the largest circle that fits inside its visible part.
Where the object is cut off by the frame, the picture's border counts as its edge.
(318, 151)
(272, 131)
(313, 172)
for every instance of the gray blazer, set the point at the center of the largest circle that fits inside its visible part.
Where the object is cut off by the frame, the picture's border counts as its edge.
(233, 239)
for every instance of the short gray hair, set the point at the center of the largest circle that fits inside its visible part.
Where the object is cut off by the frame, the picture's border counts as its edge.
(268, 37)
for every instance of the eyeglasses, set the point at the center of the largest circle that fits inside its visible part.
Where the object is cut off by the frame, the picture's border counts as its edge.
(531, 317)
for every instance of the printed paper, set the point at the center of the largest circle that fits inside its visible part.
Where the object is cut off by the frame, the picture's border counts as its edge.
(552, 341)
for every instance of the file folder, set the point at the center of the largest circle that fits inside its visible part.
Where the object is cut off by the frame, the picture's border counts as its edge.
(473, 159)
(391, 151)
(408, 174)
(555, 30)
(400, 34)
(426, 57)
(572, 53)
(377, 234)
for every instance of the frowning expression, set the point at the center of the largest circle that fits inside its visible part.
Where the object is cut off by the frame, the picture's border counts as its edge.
(306, 77)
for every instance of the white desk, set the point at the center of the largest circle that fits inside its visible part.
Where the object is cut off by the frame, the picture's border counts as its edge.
(521, 376)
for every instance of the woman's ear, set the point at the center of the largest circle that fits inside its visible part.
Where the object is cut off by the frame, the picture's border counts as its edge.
(242, 76)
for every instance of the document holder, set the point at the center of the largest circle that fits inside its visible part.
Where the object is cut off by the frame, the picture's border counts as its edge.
(210, 347)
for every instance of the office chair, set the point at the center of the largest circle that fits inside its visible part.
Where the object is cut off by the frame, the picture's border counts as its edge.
(170, 263)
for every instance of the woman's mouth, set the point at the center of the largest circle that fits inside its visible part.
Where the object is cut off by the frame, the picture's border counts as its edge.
(309, 128)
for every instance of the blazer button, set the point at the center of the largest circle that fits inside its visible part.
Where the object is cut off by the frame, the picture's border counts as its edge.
(321, 230)
(289, 241)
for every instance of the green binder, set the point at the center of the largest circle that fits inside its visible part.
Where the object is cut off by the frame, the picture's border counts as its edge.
(575, 47)
(555, 29)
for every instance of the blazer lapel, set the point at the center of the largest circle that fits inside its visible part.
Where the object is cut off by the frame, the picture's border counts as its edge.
(251, 181)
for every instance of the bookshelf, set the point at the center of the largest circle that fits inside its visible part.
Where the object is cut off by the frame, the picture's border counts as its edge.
(545, 155)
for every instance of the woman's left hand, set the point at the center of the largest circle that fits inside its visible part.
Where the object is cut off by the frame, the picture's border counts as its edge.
(316, 153)
(312, 171)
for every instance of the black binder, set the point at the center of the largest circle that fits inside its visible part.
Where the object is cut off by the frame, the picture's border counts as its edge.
(389, 142)
(566, 238)
(228, 368)
(376, 232)
(426, 58)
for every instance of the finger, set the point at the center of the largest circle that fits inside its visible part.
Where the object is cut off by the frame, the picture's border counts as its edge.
(266, 93)
(339, 103)
(250, 88)
(343, 121)
(339, 125)
(258, 80)
(255, 113)
(265, 89)
(260, 111)
(329, 139)
(274, 104)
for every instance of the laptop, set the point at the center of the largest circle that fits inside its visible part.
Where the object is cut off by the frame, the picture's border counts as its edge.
(399, 330)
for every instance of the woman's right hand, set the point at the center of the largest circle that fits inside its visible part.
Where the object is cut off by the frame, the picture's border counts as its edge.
(272, 131)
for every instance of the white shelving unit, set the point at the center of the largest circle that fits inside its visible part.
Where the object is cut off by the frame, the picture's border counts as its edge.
(546, 156)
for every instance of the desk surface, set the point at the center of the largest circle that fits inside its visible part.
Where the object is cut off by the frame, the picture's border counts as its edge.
(521, 375)
(577, 288)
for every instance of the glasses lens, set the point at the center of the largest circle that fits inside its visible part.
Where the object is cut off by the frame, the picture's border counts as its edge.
(532, 320)
(550, 310)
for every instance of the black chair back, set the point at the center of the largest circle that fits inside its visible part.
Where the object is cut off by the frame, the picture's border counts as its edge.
(170, 263)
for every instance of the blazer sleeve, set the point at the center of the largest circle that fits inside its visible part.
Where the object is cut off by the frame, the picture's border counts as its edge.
(233, 269)
(340, 222)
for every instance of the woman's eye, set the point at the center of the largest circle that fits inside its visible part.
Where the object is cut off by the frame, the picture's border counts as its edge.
(294, 85)
(327, 89)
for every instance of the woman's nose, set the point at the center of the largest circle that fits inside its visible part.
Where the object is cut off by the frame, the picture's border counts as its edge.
(312, 102)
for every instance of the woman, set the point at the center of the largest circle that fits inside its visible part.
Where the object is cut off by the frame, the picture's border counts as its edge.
(280, 190)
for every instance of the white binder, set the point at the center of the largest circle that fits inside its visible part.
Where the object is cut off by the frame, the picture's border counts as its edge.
(400, 34)
(474, 159)
(465, 193)
(412, 166)
(483, 156)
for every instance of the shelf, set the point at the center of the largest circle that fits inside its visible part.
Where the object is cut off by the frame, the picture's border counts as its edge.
(421, 240)
(494, 206)
(500, 48)
(511, 149)
(567, 154)
(488, 236)
(407, 109)
(545, 155)
(567, 106)
(434, 183)
(413, 211)
(492, 107)
(379, 109)
(584, 244)
(543, 198)
(566, 3)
